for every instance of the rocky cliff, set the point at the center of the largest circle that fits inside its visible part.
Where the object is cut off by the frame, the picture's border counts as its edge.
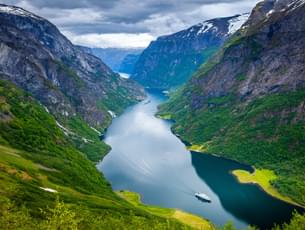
(128, 63)
(68, 81)
(113, 57)
(170, 60)
(247, 102)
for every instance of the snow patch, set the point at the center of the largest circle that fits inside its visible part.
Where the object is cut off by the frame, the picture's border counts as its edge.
(236, 22)
(205, 26)
(17, 11)
(49, 190)
(124, 75)
(269, 13)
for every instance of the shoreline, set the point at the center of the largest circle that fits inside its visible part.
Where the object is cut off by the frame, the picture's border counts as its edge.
(186, 218)
(267, 188)
(262, 178)
(189, 219)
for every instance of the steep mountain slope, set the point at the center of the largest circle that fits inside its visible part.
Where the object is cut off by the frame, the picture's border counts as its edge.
(53, 98)
(170, 60)
(76, 87)
(128, 63)
(247, 103)
(113, 57)
(39, 164)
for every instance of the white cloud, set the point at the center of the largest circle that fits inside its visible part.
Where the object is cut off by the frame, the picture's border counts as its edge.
(119, 40)
(223, 9)
(129, 23)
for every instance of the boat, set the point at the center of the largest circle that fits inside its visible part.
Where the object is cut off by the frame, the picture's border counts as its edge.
(203, 197)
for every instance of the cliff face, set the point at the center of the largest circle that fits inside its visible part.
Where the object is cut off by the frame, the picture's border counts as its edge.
(170, 60)
(114, 57)
(266, 56)
(247, 102)
(68, 81)
(128, 63)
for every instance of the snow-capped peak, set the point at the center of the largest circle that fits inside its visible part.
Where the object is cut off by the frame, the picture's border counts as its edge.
(205, 26)
(16, 11)
(236, 22)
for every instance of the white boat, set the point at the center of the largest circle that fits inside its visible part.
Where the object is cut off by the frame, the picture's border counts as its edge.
(202, 197)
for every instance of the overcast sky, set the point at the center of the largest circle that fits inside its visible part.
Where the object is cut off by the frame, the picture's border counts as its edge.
(128, 23)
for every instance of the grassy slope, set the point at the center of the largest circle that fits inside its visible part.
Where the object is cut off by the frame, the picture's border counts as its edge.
(192, 220)
(263, 178)
(115, 100)
(35, 153)
(253, 133)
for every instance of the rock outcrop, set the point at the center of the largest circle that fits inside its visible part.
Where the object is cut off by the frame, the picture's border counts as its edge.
(171, 60)
(68, 81)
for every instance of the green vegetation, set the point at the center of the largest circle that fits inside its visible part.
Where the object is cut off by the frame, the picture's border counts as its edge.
(189, 219)
(267, 133)
(70, 74)
(240, 77)
(39, 163)
(165, 116)
(197, 148)
(263, 178)
(296, 223)
(73, 217)
(87, 140)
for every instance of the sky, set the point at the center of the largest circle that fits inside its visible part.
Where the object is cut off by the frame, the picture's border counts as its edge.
(128, 23)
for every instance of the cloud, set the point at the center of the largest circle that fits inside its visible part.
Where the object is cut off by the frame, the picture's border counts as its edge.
(111, 20)
(119, 40)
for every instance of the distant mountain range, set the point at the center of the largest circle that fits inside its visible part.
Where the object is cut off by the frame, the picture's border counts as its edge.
(115, 58)
(128, 63)
(171, 60)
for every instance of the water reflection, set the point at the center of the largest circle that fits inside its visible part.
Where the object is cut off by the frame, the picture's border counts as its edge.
(244, 201)
(147, 158)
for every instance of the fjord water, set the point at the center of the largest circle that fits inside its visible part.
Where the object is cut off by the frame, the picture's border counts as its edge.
(147, 158)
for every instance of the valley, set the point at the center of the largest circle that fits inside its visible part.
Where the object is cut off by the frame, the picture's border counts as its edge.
(202, 129)
(147, 158)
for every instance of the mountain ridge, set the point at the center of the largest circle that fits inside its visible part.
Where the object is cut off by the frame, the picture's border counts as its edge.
(171, 59)
(50, 56)
(247, 102)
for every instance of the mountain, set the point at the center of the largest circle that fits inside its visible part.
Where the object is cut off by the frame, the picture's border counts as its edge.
(247, 102)
(76, 87)
(85, 49)
(170, 60)
(48, 183)
(113, 57)
(55, 102)
(128, 63)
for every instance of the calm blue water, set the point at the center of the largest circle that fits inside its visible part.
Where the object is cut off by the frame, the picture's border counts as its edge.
(147, 158)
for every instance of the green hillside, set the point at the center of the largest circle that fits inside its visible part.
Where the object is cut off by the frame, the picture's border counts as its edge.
(39, 165)
(251, 133)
